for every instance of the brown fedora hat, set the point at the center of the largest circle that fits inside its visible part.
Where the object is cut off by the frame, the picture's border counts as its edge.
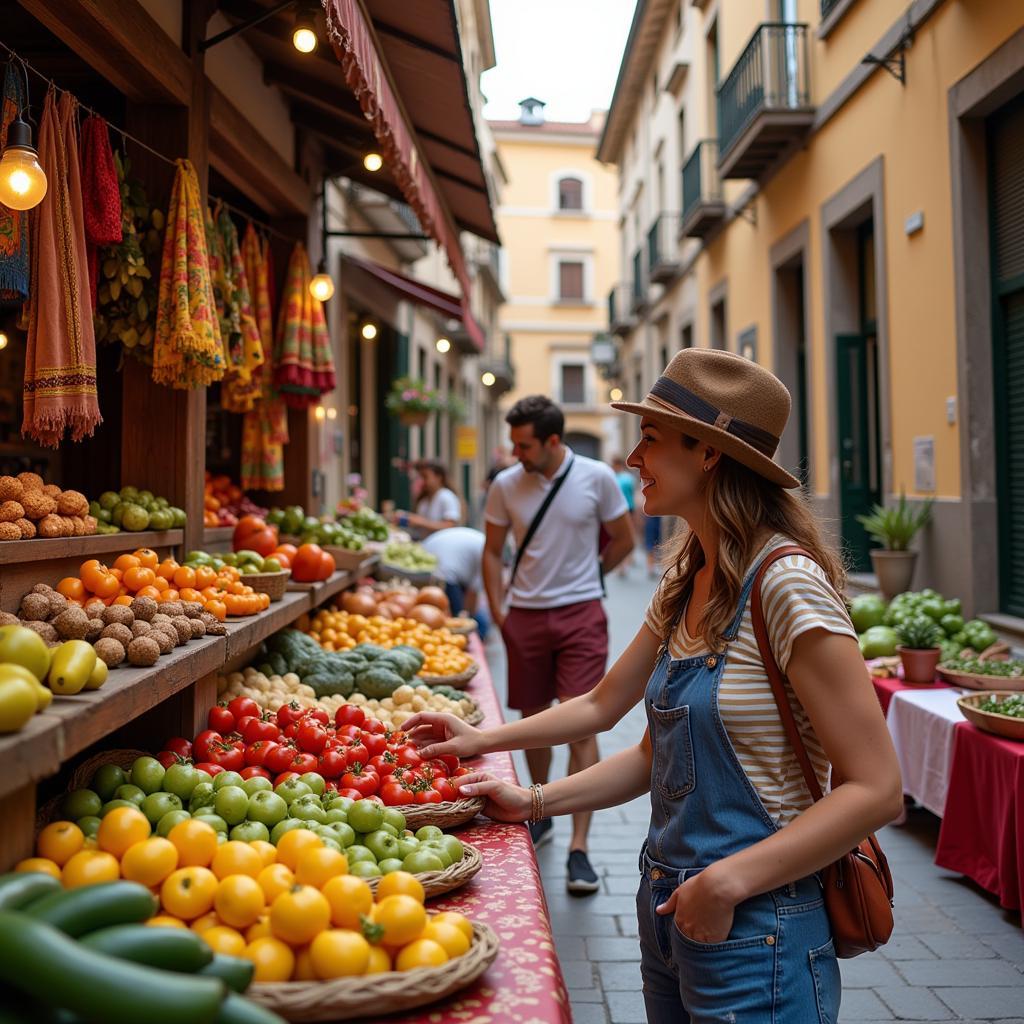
(727, 400)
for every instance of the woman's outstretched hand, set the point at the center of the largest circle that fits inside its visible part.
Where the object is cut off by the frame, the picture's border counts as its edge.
(505, 802)
(434, 734)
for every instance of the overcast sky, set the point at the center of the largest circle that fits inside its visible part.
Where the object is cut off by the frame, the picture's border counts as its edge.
(565, 52)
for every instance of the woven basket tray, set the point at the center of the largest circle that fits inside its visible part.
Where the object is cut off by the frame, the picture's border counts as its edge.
(273, 584)
(459, 682)
(1007, 726)
(82, 776)
(436, 882)
(449, 814)
(375, 995)
(461, 626)
(975, 681)
(346, 559)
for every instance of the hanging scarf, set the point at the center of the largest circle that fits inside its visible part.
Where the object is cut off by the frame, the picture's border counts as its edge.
(60, 361)
(304, 368)
(14, 268)
(187, 350)
(101, 194)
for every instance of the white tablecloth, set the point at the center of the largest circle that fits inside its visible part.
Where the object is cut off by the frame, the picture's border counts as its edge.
(921, 723)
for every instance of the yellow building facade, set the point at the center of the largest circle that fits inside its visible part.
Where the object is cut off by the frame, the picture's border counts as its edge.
(557, 220)
(845, 207)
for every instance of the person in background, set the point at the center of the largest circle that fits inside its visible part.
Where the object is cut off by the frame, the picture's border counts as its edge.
(460, 553)
(437, 506)
(624, 478)
(555, 630)
(652, 539)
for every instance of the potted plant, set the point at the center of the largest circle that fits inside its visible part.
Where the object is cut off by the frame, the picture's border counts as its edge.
(412, 401)
(919, 648)
(894, 528)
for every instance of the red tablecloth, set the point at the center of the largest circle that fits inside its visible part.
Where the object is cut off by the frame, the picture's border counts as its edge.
(524, 984)
(982, 834)
(886, 686)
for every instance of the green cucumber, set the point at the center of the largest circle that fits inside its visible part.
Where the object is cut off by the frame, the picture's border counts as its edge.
(38, 959)
(78, 911)
(19, 888)
(237, 1009)
(173, 949)
(235, 972)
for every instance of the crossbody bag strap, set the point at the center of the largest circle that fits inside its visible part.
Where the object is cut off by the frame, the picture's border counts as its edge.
(536, 521)
(774, 673)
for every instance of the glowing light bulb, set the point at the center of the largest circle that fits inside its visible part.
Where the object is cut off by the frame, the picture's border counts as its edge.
(488, 379)
(332, 414)
(304, 39)
(373, 162)
(369, 330)
(320, 413)
(615, 394)
(3, 341)
(22, 180)
(321, 287)
(443, 345)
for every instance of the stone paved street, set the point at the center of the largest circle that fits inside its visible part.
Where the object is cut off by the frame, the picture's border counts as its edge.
(955, 954)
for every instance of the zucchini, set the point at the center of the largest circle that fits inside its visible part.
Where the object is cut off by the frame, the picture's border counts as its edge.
(78, 911)
(235, 972)
(173, 949)
(44, 963)
(20, 888)
(238, 1010)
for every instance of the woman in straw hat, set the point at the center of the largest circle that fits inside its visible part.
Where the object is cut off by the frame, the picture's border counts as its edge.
(731, 920)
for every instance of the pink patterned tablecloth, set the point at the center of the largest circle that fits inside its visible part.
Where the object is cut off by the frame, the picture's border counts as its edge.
(524, 984)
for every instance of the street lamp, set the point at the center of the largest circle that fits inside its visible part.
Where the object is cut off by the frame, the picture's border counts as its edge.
(321, 287)
(488, 379)
(443, 345)
(373, 162)
(304, 33)
(615, 394)
(368, 330)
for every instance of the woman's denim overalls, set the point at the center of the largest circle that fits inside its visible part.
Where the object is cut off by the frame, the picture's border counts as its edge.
(778, 965)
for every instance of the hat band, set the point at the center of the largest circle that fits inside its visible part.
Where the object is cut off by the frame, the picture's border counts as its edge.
(693, 405)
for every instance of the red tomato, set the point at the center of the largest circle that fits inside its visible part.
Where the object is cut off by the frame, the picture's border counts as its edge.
(278, 759)
(319, 715)
(365, 782)
(204, 741)
(253, 534)
(220, 718)
(348, 732)
(352, 794)
(180, 746)
(356, 753)
(258, 729)
(427, 796)
(331, 764)
(375, 743)
(375, 726)
(230, 758)
(384, 764)
(447, 789)
(253, 770)
(256, 753)
(303, 762)
(311, 564)
(393, 794)
(288, 713)
(312, 737)
(450, 761)
(407, 754)
(284, 777)
(169, 757)
(242, 706)
(209, 767)
(349, 714)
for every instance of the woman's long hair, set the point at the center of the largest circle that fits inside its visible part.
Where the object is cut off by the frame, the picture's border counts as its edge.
(741, 504)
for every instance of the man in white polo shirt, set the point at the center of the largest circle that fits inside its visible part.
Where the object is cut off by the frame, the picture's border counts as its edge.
(555, 629)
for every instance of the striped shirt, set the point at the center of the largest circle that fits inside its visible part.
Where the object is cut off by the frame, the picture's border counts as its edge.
(797, 597)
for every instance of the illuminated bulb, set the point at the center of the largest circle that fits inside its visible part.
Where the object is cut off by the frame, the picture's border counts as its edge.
(320, 413)
(615, 394)
(304, 39)
(443, 345)
(22, 180)
(3, 341)
(373, 162)
(369, 330)
(488, 379)
(321, 287)
(332, 414)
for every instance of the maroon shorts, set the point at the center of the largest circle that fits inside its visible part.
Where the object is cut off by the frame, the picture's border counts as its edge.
(554, 653)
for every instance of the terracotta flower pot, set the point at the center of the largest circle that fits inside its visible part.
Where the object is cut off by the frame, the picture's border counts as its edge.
(919, 664)
(413, 419)
(894, 570)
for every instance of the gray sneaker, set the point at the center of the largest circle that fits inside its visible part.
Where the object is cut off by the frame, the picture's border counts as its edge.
(582, 880)
(541, 831)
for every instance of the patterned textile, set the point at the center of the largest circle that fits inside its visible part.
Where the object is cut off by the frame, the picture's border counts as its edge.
(60, 360)
(101, 195)
(187, 352)
(14, 268)
(303, 365)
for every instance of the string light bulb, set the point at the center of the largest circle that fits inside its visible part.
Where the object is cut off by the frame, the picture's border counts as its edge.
(615, 394)
(373, 162)
(304, 37)
(320, 413)
(321, 287)
(3, 341)
(488, 379)
(22, 180)
(443, 345)
(368, 330)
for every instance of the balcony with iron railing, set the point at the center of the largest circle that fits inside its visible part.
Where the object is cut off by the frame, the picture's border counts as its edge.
(703, 205)
(620, 309)
(638, 294)
(663, 262)
(764, 104)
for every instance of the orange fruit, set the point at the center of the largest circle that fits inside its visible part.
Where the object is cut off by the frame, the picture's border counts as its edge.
(189, 594)
(380, 961)
(122, 828)
(267, 851)
(39, 864)
(160, 584)
(167, 568)
(207, 921)
(92, 563)
(188, 892)
(400, 883)
(339, 954)
(222, 939)
(299, 914)
(218, 609)
(453, 917)
(196, 842)
(184, 576)
(402, 918)
(138, 577)
(165, 921)
(236, 858)
(239, 901)
(449, 937)
(420, 953)
(124, 599)
(102, 584)
(293, 843)
(273, 959)
(71, 587)
(170, 594)
(150, 861)
(275, 879)
(148, 592)
(318, 865)
(60, 841)
(119, 573)
(147, 557)
(88, 867)
(349, 898)
(259, 930)
(205, 575)
(303, 966)
(126, 562)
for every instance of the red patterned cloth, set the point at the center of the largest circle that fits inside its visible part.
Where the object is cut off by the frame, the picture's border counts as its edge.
(524, 985)
(101, 195)
(982, 834)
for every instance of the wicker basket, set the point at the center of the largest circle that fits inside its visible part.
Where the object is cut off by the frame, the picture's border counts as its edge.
(461, 626)
(459, 682)
(449, 814)
(1007, 726)
(976, 681)
(82, 776)
(273, 584)
(375, 995)
(437, 882)
(421, 578)
(345, 558)
(474, 717)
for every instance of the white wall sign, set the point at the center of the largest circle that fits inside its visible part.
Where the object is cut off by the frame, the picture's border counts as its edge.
(924, 465)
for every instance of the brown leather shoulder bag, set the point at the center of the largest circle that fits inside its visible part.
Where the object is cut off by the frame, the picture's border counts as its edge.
(858, 887)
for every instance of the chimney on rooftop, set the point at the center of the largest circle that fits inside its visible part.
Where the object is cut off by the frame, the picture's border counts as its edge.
(531, 111)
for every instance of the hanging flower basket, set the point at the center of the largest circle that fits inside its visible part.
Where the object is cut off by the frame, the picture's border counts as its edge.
(413, 419)
(412, 401)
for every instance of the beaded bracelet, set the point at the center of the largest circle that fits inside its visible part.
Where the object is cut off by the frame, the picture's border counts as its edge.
(536, 802)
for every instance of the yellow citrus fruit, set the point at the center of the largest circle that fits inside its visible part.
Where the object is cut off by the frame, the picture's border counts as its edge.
(150, 861)
(121, 828)
(259, 929)
(239, 900)
(236, 858)
(267, 851)
(275, 879)
(339, 954)
(188, 892)
(273, 959)
(87, 867)
(317, 865)
(222, 939)
(60, 841)
(380, 961)
(349, 898)
(47, 867)
(196, 842)
(402, 918)
(207, 921)
(300, 914)
(453, 917)
(449, 937)
(303, 965)
(165, 921)
(421, 953)
(293, 843)
(400, 883)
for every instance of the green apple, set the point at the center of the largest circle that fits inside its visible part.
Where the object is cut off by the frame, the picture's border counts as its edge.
(107, 778)
(131, 793)
(382, 845)
(389, 865)
(181, 780)
(395, 818)
(267, 808)
(284, 826)
(258, 784)
(364, 869)
(82, 803)
(90, 824)
(315, 781)
(342, 832)
(147, 774)
(422, 860)
(366, 816)
(438, 850)
(407, 845)
(357, 853)
(453, 846)
(227, 779)
(250, 831)
(292, 790)
(202, 796)
(156, 805)
(428, 832)
(232, 804)
(169, 820)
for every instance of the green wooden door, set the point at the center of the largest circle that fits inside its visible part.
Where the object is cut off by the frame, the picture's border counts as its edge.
(392, 437)
(857, 418)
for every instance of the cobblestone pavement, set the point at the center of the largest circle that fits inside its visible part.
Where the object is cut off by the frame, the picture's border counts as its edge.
(955, 955)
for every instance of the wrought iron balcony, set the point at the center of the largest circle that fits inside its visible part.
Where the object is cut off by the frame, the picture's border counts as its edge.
(638, 296)
(703, 206)
(663, 261)
(620, 309)
(764, 105)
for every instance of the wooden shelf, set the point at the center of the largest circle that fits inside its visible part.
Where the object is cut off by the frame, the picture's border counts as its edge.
(217, 534)
(246, 633)
(42, 549)
(31, 754)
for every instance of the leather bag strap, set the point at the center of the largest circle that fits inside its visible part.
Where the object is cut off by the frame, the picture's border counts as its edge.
(537, 519)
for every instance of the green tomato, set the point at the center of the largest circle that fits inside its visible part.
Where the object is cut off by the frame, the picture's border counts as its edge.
(134, 518)
(422, 860)
(437, 847)
(366, 816)
(202, 796)
(315, 781)
(109, 500)
(342, 833)
(232, 804)
(148, 774)
(169, 820)
(395, 818)
(271, 565)
(90, 824)
(364, 869)
(81, 803)
(292, 790)
(308, 808)
(382, 845)
(390, 829)
(453, 847)
(212, 819)
(131, 793)
(428, 832)
(357, 853)
(285, 826)
(156, 805)
(342, 803)
(951, 624)
(227, 779)
(258, 784)
(267, 808)
(336, 814)
(407, 845)
(250, 831)
(389, 865)
(331, 844)
(111, 805)
(181, 780)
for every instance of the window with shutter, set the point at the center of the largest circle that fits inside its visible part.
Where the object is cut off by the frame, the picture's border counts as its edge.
(570, 279)
(570, 194)
(574, 390)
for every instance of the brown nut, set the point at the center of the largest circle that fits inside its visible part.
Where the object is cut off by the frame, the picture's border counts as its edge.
(144, 608)
(192, 609)
(163, 637)
(141, 628)
(91, 522)
(160, 620)
(31, 481)
(45, 630)
(183, 627)
(172, 609)
(217, 628)
(37, 505)
(143, 651)
(118, 613)
(71, 503)
(59, 603)
(52, 491)
(11, 488)
(34, 608)
(27, 527)
(71, 624)
(198, 628)
(50, 526)
(118, 631)
(96, 628)
(11, 512)
(95, 609)
(110, 651)
(8, 531)
(7, 619)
